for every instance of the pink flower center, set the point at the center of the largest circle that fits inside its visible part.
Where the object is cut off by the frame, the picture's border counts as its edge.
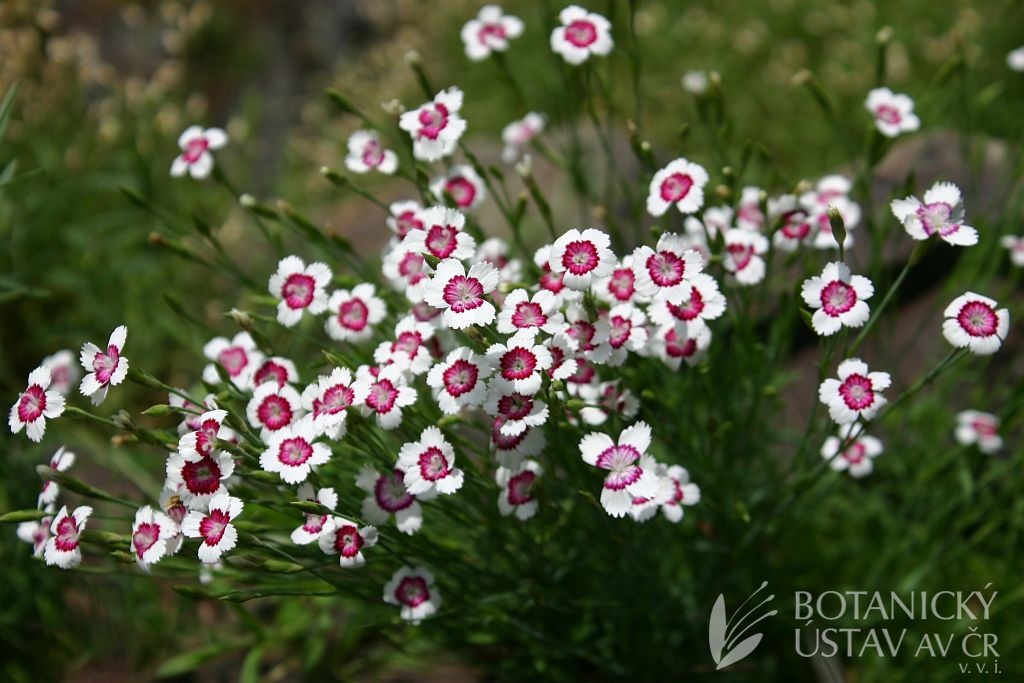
(677, 493)
(348, 540)
(460, 377)
(580, 257)
(314, 523)
(433, 119)
(666, 268)
(978, 319)
(275, 412)
(935, 218)
(886, 113)
(382, 396)
(294, 452)
(104, 364)
(617, 458)
(411, 268)
(390, 492)
(202, 476)
(32, 404)
(520, 488)
(66, 538)
(837, 298)
(740, 254)
(504, 442)
(751, 213)
(194, 149)
(676, 348)
(412, 591)
(529, 314)
(584, 372)
(583, 332)
(406, 222)
(581, 33)
(621, 284)
(489, 33)
(675, 187)
(213, 526)
(408, 343)
(691, 309)
(985, 428)
(621, 328)
(461, 190)
(551, 282)
(334, 400)
(271, 372)
(515, 406)
(298, 290)
(373, 154)
(855, 454)
(206, 437)
(144, 537)
(234, 359)
(442, 240)
(857, 392)
(433, 464)
(795, 225)
(518, 363)
(463, 294)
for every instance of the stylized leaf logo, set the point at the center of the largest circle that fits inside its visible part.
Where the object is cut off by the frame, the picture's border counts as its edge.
(721, 637)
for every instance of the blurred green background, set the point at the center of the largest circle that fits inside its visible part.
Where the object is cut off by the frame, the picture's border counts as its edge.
(104, 89)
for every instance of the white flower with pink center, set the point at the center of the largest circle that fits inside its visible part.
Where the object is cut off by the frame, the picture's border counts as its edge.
(489, 32)
(743, 255)
(563, 363)
(581, 257)
(1015, 245)
(354, 313)
(366, 153)
(974, 427)
(463, 184)
(314, 524)
(293, 452)
(63, 370)
(521, 361)
(196, 144)
(387, 496)
(666, 271)
(202, 440)
(893, 112)
(519, 134)
(626, 478)
(238, 357)
(299, 288)
(35, 406)
(683, 341)
(409, 350)
(60, 461)
(413, 589)
(151, 532)
(624, 328)
(105, 368)
(328, 399)
(198, 479)
(520, 311)
(442, 236)
(435, 127)
(36, 532)
(461, 295)
(63, 547)
(518, 412)
(518, 496)
(856, 394)
(706, 302)
(404, 217)
(682, 493)
(605, 399)
(681, 184)
(838, 298)
(344, 538)
(851, 451)
(972, 322)
(275, 369)
(460, 380)
(749, 215)
(273, 408)
(581, 35)
(429, 464)
(795, 225)
(407, 271)
(551, 281)
(941, 213)
(588, 340)
(620, 286)
(218, 535)
(386, 394)
(509, 450)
